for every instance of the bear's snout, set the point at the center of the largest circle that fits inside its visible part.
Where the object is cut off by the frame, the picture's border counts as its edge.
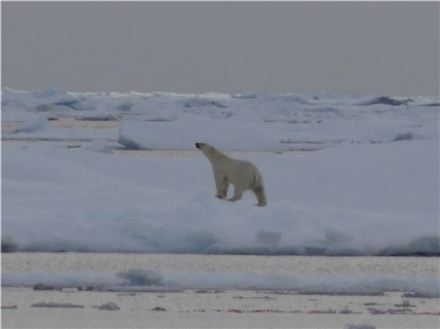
(199, 145)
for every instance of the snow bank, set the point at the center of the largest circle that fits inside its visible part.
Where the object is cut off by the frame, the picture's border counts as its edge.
(357, 200)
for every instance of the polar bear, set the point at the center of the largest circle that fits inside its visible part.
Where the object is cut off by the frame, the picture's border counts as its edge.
(244, 175)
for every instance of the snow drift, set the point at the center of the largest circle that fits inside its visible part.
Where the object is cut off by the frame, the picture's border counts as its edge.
(371, 187)
(374, 199)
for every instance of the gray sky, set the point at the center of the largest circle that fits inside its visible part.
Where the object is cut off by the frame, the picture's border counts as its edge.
(381, 48)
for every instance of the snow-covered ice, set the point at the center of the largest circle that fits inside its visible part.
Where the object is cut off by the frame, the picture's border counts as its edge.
(228, 309)
(369, 188)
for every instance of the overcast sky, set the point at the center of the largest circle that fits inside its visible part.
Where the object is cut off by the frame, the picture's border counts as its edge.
(357, 48)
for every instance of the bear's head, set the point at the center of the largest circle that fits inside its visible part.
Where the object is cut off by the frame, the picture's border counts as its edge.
(206, 148)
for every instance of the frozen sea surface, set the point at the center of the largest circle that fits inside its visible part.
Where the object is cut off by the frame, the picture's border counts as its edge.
(302, 274)
(214, 309)
(230, 291)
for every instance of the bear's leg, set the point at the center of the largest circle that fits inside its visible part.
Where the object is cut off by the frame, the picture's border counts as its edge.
(261, 196)
(238, 192)
(221, 185)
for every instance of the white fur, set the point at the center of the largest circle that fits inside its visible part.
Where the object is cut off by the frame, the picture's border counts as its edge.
(244, 175)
